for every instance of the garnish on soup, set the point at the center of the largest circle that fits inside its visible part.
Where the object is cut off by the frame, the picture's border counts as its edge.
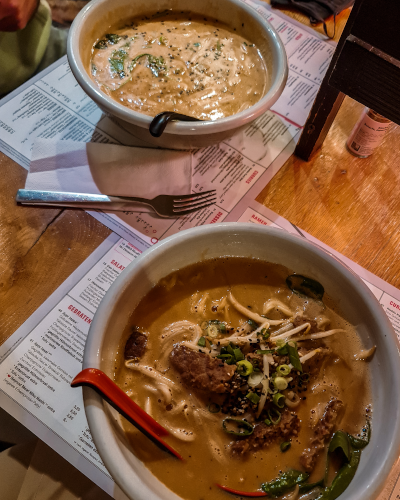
(256, 376)
(179, 62)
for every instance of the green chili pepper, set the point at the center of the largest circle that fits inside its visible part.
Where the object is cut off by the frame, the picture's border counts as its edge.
(278, 416)
(305, 286)
(306, 487)
(284, 483)
(343, 478)
(244, 367)
(243, 428)
(358, 443)
(340, 441)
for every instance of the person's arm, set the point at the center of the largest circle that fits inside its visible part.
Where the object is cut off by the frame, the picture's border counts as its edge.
(15, 14)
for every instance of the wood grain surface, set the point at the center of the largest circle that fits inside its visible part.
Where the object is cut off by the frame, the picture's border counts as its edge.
(349, 203)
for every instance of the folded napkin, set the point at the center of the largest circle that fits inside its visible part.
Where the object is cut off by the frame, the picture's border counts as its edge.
(108, 169)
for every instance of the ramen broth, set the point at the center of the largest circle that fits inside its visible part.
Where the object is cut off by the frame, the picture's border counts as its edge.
(198, 294)
(179, 62)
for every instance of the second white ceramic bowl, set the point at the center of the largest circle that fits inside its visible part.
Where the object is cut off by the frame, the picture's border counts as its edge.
(99, 15)
(355, 301)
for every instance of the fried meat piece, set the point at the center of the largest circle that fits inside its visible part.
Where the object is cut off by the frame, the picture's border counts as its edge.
(201, 371)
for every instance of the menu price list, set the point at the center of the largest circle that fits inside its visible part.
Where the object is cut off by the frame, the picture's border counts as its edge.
(37, 374)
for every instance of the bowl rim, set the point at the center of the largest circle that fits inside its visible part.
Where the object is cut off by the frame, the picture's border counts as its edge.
(179, 128)
(97, 418)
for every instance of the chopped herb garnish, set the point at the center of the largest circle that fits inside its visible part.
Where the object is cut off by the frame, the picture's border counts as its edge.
(113, 38)
(252, 324)
(294, 356)
(202, 342)
(253, 397)
(285, 446)
(101, 44)
(117, 62)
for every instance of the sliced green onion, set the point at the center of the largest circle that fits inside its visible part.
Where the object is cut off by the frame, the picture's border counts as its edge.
(214, 408)
(265, 351)
(267, 421)
(212, 331)
(278, 416)
(285, 446)
(202, 342)
(281, 342)
(243, 428)
(279, 400)
(305, 377)
(244, 367)
(283, 370)
(280, 383)
(213, 328)
(255, 378)
(239, 355)
(253, 397)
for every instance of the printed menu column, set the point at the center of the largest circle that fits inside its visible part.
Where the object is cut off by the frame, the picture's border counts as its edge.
(38, 373)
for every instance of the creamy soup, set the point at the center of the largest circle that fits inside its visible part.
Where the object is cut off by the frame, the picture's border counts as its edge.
(179, 62)
(249, 367)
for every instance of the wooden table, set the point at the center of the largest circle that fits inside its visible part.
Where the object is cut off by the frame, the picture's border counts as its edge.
(351, 204)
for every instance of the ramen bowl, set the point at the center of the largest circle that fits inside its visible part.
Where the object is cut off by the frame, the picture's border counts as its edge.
(99, 15)
(356, 303)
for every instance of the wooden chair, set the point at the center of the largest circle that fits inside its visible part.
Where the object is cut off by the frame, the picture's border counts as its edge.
(365, 66)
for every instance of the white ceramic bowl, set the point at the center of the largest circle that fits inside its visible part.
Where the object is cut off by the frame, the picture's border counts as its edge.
(97, 17)
(356, 302)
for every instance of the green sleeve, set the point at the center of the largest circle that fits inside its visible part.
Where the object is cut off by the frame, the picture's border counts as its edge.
(21, 51)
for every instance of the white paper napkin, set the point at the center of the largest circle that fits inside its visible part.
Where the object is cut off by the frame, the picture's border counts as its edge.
(108, 169)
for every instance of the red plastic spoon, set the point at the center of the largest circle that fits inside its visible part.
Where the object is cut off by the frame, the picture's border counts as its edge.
(117, 398)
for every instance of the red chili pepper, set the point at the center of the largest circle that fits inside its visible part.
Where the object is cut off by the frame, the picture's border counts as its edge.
(243, 493)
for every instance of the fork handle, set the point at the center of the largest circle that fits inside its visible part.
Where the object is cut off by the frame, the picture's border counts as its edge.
(84, 200)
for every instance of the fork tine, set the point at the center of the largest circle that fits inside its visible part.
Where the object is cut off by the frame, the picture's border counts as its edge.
(193, 208)
(193, 195)
(189, 203)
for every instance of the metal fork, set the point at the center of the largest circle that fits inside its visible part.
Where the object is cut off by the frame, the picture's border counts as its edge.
(163, 205)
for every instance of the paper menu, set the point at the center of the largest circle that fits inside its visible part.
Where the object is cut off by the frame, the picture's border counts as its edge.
(40, 360)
